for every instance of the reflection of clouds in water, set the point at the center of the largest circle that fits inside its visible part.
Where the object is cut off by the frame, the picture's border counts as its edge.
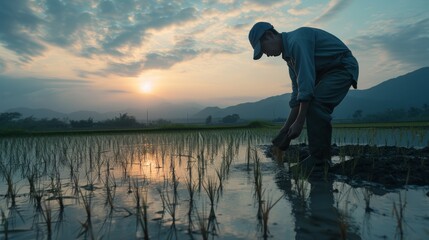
(325, 202)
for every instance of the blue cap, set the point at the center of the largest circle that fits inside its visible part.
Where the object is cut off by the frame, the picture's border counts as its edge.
(255, 35)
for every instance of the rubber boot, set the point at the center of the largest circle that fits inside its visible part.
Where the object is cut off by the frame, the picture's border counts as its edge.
(319, 132)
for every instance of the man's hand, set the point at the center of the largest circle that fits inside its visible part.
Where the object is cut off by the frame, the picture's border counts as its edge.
(281, 141)
(295, 130)
(297, 126)
(284, 145)
(279, 138)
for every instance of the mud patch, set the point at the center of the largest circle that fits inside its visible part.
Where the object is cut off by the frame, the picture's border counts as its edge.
(390, 166)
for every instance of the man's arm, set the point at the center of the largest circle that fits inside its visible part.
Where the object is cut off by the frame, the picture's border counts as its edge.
(291, 119)
(296, 127)
(282, 140)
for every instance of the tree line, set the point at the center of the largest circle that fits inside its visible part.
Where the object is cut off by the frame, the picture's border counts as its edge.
(232, 118)
(15, 121)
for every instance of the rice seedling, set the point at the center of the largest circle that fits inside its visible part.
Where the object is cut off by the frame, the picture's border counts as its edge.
(99, 161)
(220, 178)
(110, 189)
(174, 178)
(57, 191)
(47, 216)
(227, 158)
(300, 177)
(31, 182)
(141, 209)
(407, 178)
(75, 184)
(7, 172)
(217, 156)
(191, 187)
(37, 198)
(266, 207)
(212, 224)
(257, 180)
(248, 155)
(86, 227)
(5, 224)
(279, 156)
(367, 194)
(12, 196)
(203, 225)
(190, 218)
(212, 189)
(343, 225)
(90, 186)
(170, 206)
(124, 165)
(398, 213)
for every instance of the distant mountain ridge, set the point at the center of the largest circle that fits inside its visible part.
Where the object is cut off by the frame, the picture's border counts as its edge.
(269, 108)
(409, 90)
(164, 111)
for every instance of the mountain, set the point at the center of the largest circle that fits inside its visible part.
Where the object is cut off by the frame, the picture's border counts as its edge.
(409, 90)
(162, 110)
(157, 111)
(269, 108)
(38, 113)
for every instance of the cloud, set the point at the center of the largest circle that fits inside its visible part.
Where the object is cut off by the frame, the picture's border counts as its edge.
(129, 36)
(12, 86)
(334, 7)
(124, 69)
(53, 93)
(123, 33)
(183, 50)
(117, 91)
(123, 36)
(168, 59)
(86, 28)
(265, 2)
(18, 24)
(65, 22)
(2, 65)
(298, 12)
(407, 43)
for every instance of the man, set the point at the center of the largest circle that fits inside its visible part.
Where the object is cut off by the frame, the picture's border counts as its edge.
(322, 69)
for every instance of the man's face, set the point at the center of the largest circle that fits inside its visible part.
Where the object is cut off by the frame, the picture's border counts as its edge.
(271, 45)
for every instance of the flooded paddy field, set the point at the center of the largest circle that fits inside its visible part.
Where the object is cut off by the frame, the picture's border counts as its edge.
(212, 184)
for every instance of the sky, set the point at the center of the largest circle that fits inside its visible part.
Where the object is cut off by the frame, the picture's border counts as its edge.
(106, 55)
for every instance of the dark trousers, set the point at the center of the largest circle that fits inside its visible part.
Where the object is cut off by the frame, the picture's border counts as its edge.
(330, 90)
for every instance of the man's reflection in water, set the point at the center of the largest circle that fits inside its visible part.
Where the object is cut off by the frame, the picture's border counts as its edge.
(315, 217)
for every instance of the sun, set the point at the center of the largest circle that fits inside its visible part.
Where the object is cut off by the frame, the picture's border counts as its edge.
(146, 87)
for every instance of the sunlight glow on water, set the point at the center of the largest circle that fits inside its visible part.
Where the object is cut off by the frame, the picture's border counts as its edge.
(109, 172)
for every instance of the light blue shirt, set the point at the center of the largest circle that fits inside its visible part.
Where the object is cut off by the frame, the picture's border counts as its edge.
(311, 52)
